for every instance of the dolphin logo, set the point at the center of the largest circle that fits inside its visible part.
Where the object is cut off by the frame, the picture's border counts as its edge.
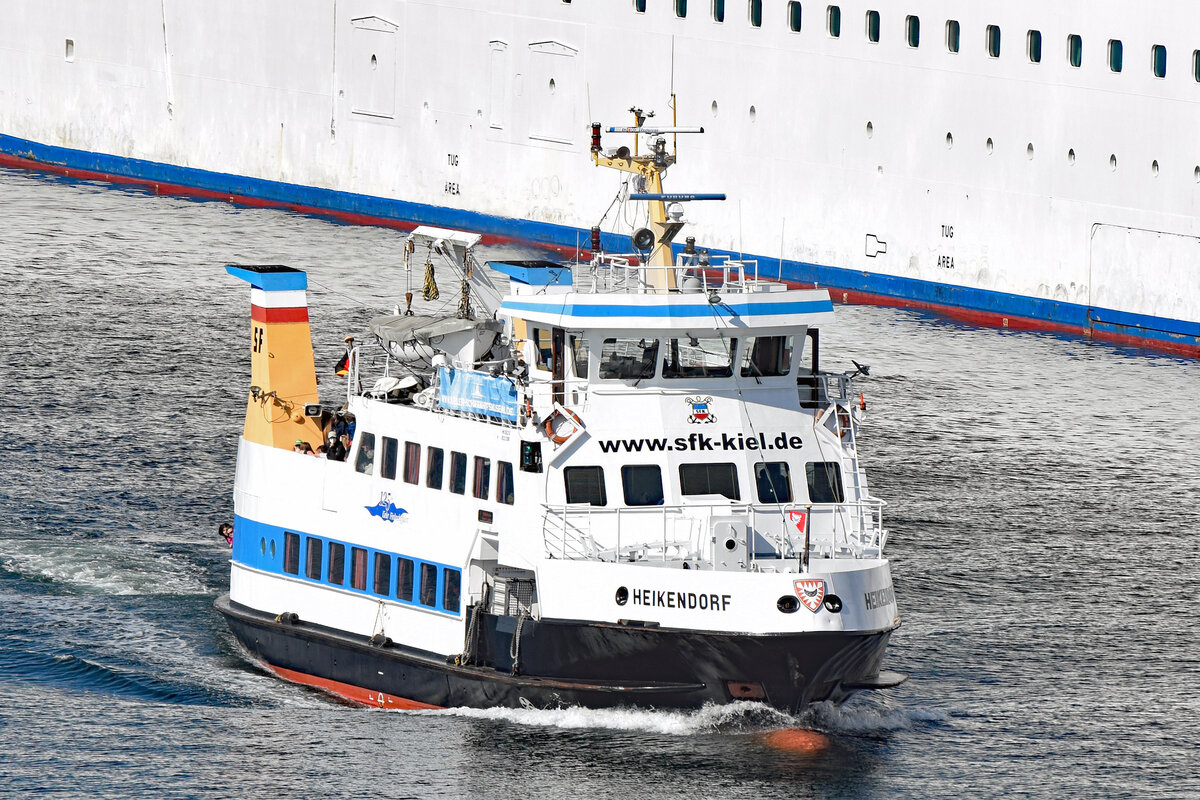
(385, 509)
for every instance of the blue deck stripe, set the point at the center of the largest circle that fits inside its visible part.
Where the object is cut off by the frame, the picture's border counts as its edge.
(705, 311)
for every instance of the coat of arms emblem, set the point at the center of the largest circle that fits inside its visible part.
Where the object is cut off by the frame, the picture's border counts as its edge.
(811, 592)
(700, 410)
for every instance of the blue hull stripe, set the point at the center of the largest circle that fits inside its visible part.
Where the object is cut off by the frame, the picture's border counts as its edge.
(705, 311)
(1072, 315)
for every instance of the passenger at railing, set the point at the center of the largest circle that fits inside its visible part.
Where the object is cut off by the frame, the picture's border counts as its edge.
(225, 531)
(302, 446)
(322, 451)
(338, 447)
(343, 422)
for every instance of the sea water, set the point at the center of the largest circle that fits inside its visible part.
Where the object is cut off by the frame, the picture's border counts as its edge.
(1042, 506)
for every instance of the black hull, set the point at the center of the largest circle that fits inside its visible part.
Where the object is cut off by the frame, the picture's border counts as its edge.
(570, 663)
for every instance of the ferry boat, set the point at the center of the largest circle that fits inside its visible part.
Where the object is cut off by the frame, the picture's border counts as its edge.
(1018, 164)
(626, 481)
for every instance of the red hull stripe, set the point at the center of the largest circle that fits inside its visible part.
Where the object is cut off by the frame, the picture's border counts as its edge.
(260, 314)
(355, 694)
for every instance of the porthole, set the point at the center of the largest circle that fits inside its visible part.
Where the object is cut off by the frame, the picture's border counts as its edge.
(70, 51)
(1071, 156)
(272, 548)
(1154, 168)
(990, 146)
(949, 140)
(1112, 162)
(714, 108)
(1196, 174)
(1029, 151)
(753, 114)
(264, 539)
(374, 61)
(870, 130)
(552, 86)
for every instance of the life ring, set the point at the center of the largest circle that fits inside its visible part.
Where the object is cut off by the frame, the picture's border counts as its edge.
(551, 426)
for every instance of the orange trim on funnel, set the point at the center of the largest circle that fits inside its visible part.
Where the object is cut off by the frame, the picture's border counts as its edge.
(347, 691)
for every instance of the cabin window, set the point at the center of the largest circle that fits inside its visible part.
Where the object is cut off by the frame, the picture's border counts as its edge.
(1033, 46)
(1158, 60)
(1116, 55)
(756, 13)
(709, 479)
(404, 579)
(312, 558)
(824, 482)
(642, 484)
(483, 477)
(387, 461)
(383, 574)
(543, 347)
(504, 483)
(872, 26)
(291, 553)
(337, 563)
(585, 485)
(358, 568)
(639, 6)
(1075, 50)
(681, 8)
(451, 588)
(458, 472)
(628, 359)
(365, 462)
(993, 41)
(794, 13)
(1196, 65)
(766, 356)
(833, 21)
(774, 482)
(953, 34)
(694, 357)
(428, 585)
(433, 469)
(579, 356)
(412, 463)
(718, 10)
(912, 30)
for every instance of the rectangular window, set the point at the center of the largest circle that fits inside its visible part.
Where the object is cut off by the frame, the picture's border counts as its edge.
(699, 358)
(794, 16)
(709, 479)
(774, 482)
(681, 8)
(585, 485)
(387, 464)
(953, 32)
(1033, 46)
(824, 482)
(766, 356)
(365, 462)
(404, 579)
(1075, 50)
(912, 30)
(628, 359)
(291, 553)
(337, 563)
(1196, 65)
(872, 26)
(1158, 60)
(833, 21)
(639, 6)
(451, 588)
(312, 558)
(458, 472)
(428, 585)
(412, 463)
(543, 347)
(504, 483)
(483, 477)
(358, 568)
(433, 469)
(756, 13)
(642, 484)
(1116, 55)
(579, 356)
(718, 10)
(383, 574)
(993, 41)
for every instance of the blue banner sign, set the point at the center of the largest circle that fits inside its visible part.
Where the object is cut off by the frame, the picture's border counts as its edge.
(477, 393)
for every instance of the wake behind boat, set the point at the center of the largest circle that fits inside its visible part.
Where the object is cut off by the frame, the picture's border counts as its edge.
(626, 482)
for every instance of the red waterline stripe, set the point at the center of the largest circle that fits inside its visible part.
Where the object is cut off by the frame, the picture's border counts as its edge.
(347, 691)
(260, 314)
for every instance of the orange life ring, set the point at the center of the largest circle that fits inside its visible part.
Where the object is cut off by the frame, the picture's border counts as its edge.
(562, 413)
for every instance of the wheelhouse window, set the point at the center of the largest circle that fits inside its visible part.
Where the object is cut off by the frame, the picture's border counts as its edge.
(628, 359)
(642, 484)
(312, 558)
(358, 568)
(451, 589)
(458, 472)
(1033, 46)
(709, 479)
(482, 477)
(337, 563)
(833, 21)
(824, 482)
(291, 553)
(383, 574)
(756, 13)
(912, 30)
(773, 481)
(412, 463)
(404, 579)
(766, 356)
(428, 585)
(585, 485)
(543, 347)
(873, 26)
(387, 461)
(953, 35)
(993, 41)
(718, 10)
(579, 356)
(681, 8)
(1196, 65)
(1158, 60)
(794, 15)
(639, 6)
(504, 483)
(1075, 50)
(694, 357)
(365, 461)
(1116, 55)
(433, 468)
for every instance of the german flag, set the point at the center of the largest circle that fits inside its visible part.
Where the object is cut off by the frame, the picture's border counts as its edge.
(342, 368)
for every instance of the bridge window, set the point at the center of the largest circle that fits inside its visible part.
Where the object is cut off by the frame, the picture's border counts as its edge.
(1158, 60)
(681, 8)
(872, 26)
(291, 553)
(387, 463)
(337, 563)
(1116, 55)
(756, 13)
(639, 6)
(953, 34)
(585, 485)
(428, 585)
(642, 485)
(579, 355)
(699, 358)
(383, 574)
(766, 356)
(709, 479)
(794, 14)
(451, 588)
(412, 463)
(483, 477)
(1196, 65)
(1075, 50)
(404, 579)
(312, 560)
(358, 568)
(628, 359)
(718, 10)
(993, 41)
(504, 483)
(774, 482)
(824, 482)
(365, 462)
(833, 21)
(458, 472)
(1033, 46)
(433, 469)
(912, 31)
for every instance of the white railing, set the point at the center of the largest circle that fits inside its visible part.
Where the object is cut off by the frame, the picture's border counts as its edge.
(624, 273)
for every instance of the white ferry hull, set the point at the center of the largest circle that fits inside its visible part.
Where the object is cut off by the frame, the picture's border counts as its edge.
(1004, 192)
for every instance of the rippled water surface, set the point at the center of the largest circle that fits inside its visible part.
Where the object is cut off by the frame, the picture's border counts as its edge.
(1043, 525)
